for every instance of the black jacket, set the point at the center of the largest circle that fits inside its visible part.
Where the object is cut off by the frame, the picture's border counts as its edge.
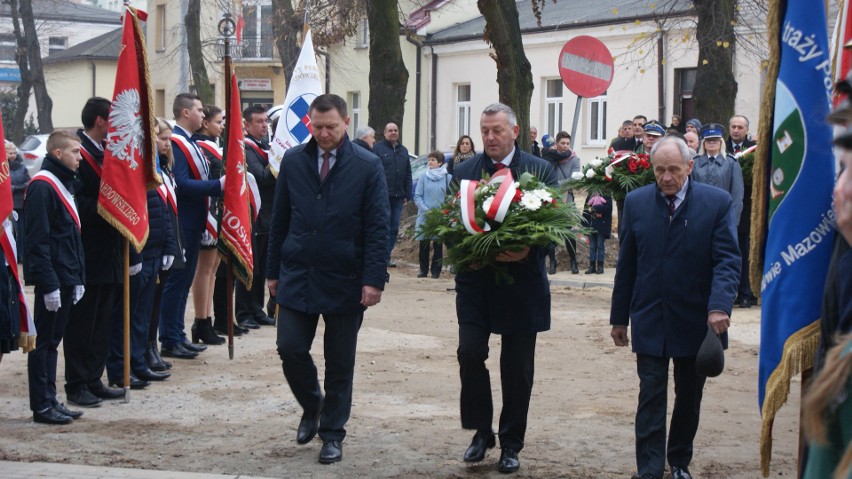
(258, 166)
(20, 178)
(729, 144)
(161, 233)
(397, 168)
(53, 247)
(362, 144)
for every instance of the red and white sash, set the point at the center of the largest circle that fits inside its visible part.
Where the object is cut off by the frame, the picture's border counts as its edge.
(196, 160)
(254, 197)
(210, 147)
(64, 195)
(91, 161)
(27, 324)
(260, 151)
(167, 192)
(499, 206)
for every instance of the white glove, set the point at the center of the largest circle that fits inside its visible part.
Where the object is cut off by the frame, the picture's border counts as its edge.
(207, 239)
(135, 269)
(183, 254)
(167, 262)
(222, 182)
(79, 291)
(52, 301)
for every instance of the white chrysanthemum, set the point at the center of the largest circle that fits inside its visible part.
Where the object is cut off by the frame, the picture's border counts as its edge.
(576, 175)
(590, 174)
(486, 205)
(530, 202)
(596, 163)
(543, 195)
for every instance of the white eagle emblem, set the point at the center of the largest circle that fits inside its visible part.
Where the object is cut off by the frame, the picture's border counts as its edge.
(125, 136)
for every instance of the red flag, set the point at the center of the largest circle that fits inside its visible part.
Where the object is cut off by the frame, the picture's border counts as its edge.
(241, 24)
(130, 154)
(235, 226)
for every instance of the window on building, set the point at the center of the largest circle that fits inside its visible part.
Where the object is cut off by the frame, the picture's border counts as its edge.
(56, 44)
(160, 102)
(597, 120)
(462, 110)
(553, 107)
(160, 28)
(257, 40)
(684, 84)
(363, 34)
(355, 107)
(8, 46)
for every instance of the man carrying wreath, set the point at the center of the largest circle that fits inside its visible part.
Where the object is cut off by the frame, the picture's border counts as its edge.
(517, 310)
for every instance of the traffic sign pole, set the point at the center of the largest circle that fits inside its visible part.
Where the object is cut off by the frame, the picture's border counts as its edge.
(586, 68)
(576, 119)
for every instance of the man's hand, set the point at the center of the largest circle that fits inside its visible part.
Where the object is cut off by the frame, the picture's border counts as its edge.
(509, 256)
(370, 295)
(619, 335)
(718, 321)
(272, 284)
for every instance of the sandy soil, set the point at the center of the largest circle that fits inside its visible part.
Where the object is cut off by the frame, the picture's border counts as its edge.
(239, 417)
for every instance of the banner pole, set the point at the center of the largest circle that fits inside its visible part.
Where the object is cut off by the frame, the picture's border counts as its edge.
(126, 308)
(230, 306)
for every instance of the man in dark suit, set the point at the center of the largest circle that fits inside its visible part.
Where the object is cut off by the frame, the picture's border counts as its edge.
(738, 135)
(517, 311)
(535, 149)
(670, 316)
(327, 255)
(737, 142)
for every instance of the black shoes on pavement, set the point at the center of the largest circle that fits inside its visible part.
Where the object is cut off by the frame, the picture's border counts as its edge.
(331, 452)
(83, 398)
(178, 351)
(51, 416)
(98, 389)
(61, 409)
(482, 440)
(135, 383)
(308, 427)
(509, 462)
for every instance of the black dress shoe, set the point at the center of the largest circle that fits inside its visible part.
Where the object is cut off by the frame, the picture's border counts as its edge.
(98, 389)
(681, 473)
(61, 409)
(223, 330)
(195, 348)
(745, 303)
(646, 476)
(135, 383)
(308, 427)
(264, 320)
(83, 398)
(421, 274)
(508, 461)
(331, 452)
(178, 351)
(482, 440)
(249, 323)
(51, 416)
(148, 375)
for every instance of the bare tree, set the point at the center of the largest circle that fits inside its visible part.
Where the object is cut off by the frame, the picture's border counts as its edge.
(715, 85)
(388, 75)
(192, 22)
(44, 105)
(25, 86)
(514, 72)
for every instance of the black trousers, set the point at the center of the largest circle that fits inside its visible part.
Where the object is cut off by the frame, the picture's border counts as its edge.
(437, 257)
(296, 332)
(220, 296)
(517, 365)
(744, 290)
(651, 450)
(87, 336)
(249, 303)
(41, 362)
(154, 326)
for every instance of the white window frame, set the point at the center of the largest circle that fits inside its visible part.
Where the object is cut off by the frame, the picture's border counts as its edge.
(462, 111)
(596, 124)
(554, 108)
(355, 109)
(56, 44)
(363, 34)
(10, 44)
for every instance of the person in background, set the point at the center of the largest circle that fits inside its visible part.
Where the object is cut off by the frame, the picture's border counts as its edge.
(365, 137)
(691, 139)
(653, 132)
(547, 143)
(624, 140)
(597, 215)
(738, 135)
(465, 150)
(565, 163)
(55, 266)
(20, 179)
(693, 125)
(207, 138)
(639, 122)
(430, 193)
(397, 166)
(678, 125)
(715, 167)
(534, 148)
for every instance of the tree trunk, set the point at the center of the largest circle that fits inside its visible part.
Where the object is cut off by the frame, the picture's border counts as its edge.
(388, 75)
(192, 20)
(514, 73)
(44, 105)
(715, 86)
(287, 28)
(25, 86)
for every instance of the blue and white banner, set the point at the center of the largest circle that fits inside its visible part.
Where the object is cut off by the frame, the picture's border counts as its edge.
(294, 125)
(800, 218)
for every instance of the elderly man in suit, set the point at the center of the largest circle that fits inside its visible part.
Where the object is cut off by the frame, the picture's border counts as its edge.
(517, 311)
(672, 227)
(328, 249)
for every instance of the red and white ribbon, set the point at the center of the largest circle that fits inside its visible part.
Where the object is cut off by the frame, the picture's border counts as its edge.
(499, 205)
(620, 156)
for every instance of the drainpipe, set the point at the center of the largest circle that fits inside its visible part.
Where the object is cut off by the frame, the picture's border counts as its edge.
(661, 77)
(417, 95)
(434, 101)
(94, 77)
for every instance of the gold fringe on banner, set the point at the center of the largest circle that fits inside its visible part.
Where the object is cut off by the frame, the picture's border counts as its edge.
(797, 356)
(26, 342)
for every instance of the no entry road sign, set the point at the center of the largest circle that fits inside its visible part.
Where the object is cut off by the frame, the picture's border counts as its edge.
(585, 65)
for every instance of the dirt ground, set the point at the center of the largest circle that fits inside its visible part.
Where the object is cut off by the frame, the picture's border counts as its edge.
(239, 417)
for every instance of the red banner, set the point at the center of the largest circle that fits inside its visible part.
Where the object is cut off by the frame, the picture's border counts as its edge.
(6, 205)
(130, 153)
(235, 225)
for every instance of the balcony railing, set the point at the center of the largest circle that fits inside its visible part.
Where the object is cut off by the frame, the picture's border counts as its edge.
(253, 48)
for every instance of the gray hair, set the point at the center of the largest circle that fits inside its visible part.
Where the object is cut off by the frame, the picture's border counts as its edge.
(681, 145)
(364, 131)
(740, 116)
(495, 108)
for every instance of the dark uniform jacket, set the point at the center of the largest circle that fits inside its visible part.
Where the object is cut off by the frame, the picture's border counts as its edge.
(672, 272)
(192, 193)
(522, 307)
(745, 145)
(258, 165)
(329, 238)
(53, 247)
(397, 168)
(161, 232)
